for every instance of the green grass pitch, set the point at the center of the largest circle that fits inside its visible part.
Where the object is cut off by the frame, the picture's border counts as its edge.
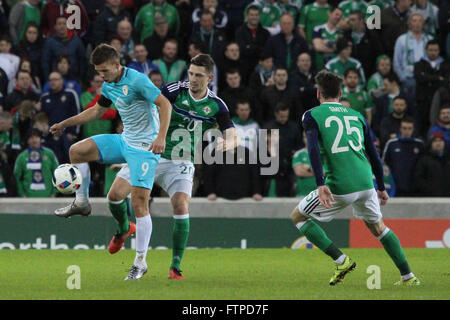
(218, 274)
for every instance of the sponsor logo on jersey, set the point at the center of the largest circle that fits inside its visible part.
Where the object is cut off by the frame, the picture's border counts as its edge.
(125, 90)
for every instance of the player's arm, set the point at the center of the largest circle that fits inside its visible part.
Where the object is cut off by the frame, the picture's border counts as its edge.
(230, 136)
(377, 165)
(165, 111)
(312, 135)
(86, 116)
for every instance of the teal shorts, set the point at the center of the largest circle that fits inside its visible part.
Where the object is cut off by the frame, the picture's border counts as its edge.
(113, 149)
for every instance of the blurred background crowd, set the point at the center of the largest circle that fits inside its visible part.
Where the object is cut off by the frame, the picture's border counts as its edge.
(267, 53)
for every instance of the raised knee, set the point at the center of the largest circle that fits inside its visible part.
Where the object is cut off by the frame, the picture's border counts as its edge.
(114, 196)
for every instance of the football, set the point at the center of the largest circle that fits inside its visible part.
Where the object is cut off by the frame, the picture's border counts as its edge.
(67, 178)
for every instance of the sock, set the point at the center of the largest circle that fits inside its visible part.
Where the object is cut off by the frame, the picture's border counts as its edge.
(315, 234)
(180, 237)
(394, 249)
(119, 212)
(143, 235)
(82, 194)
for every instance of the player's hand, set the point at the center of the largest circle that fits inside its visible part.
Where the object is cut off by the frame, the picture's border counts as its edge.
(257, 197)
(57, 129)
(212, 196)
(158, 146)
(325, 197)
(383, 196)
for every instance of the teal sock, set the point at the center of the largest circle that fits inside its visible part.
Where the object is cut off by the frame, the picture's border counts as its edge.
(393, 247)
(315, 234)
(119, 212)
(180, 236)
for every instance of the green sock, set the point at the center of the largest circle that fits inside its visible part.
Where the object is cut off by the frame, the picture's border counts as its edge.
(180, 237)
(315, 234)
(119, 212)
(393, 247)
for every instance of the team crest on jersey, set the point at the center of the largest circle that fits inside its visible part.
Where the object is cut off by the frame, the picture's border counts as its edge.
(125, 90)
(63, 98)
(206, 109)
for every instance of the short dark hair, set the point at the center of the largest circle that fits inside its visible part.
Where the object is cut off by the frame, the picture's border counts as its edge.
(103, 53)
(22, 71)
(243, 101)
(206, 12)
(351, 69)
(329, 84)
(401, 97)
(200, 46)
(232, 71)
(391, 77)
(62, 57)
(204, 60)
(432, 42)
(359, 13)
(407, 119)
(280, 68)
(253, 7)
(153, 72)
(281, 106)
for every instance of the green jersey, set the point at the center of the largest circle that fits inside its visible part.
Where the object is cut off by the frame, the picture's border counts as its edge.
(351, 5)
(98, 126)
(336, 65)
(269, 13)
(304, 185)
(193, 117)
(312, 16)
(375, 82)
(341, 144)
(144, 22)
(359, 100)
(332, 36)
(33, 171)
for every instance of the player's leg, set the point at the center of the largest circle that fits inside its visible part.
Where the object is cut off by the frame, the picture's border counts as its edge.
(392, 245)
(117, 205)
(301, 217)
(80, 154)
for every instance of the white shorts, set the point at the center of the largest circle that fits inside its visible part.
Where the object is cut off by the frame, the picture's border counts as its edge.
(171, 175)
(365, 206)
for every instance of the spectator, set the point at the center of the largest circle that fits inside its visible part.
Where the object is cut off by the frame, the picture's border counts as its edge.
(234, 91)
(301, 165)
(233, 180)
(289, 6)
(171, 68)
(432, 173)
(21, 92)
(124, 58)
(269, 16)
(394, 23)
(251, 38)
(430, 14)
(140, 62)
(124, 31)
(359, 98)
(303, 80)
(278, 92)
(9, 62)
(440, 98)
(246, 127)
(409, 49)
(64, 43)
(63, 67)
(383, 104)
(231, 61)
(390, 124)
(401, 155)
(325, 36)
(59, 145)
(25, 65)
(144, 23)
(34, 169)
(220, 16)
(106, 22)
(262, 76)
(60, 104)
(375, 83)
(156, 77)
(443, 125)
(155, 42)
(7, 181)
(213, 39)
(311, 16)
(444, 26)
(429, 73)
(343, 61)
(55, 8)
(20, 15)
(289, 140)
(22, 121)
(366, 43)
(287, 45)
(31, 47)
(350, 6)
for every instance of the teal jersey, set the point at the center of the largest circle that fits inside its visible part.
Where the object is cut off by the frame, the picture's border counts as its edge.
(193, 117)
(341, 142)
(134, 96)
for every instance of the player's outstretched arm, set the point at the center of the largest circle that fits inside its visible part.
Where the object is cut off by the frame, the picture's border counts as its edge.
(165, 111)
(231, 140)
(86, 116)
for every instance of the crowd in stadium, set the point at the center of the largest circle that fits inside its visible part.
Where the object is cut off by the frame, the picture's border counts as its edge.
(267, 53)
